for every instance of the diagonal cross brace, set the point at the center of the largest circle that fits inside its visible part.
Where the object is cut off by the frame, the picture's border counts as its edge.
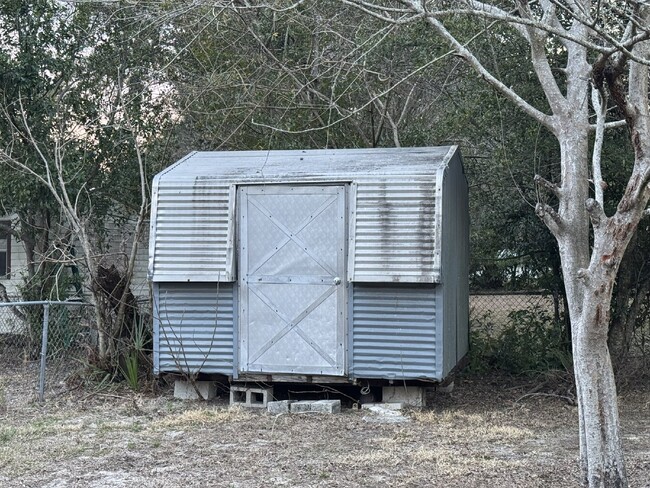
(291, 235)
(293, 324)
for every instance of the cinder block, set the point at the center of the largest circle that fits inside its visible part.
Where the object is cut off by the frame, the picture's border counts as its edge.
(300, 407)
(279, 407)
(238, 396)
(326, 406)
(413, 396)
(250, 397)
(259, 397)
(186, 391)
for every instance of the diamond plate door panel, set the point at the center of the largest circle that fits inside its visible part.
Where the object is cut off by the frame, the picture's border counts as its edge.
(291, 292)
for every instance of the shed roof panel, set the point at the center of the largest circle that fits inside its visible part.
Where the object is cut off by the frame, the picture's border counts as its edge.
(273, 165)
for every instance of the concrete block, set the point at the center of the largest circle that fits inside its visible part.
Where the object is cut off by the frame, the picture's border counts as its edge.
(250, 397)
(394, 407)
(326, 406)
(301, 407)
(279, 407)
(413, 396)
(186, 391)
(238, 396)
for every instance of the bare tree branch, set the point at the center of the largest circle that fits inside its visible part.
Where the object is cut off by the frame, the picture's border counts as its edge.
(609, 125)
(550, 217)
(537, 39)
(473, 61)
(351, 113)
(599, 103)
(596, 213)
(374, 11)
(552, 187)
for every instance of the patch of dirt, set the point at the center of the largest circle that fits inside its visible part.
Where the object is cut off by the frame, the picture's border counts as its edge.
(479, 435)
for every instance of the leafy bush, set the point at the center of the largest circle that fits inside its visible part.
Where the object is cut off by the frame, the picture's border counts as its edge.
(529, 342)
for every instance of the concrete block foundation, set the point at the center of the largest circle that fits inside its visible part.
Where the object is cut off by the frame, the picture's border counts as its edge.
(301, 407)
(326, 406)
(250, 397)
(319, 406)
(413, 396)
(279, 407)
(394, 407)
(184, 390)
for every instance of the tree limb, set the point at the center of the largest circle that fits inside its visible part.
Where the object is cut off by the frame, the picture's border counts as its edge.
(486, 8)
(582, 16)
(346, 114)
(550, 217)
(638, 94)
(372, 10)
(474, 62)
(539, 58)
(544, 183)
(566, 37)
(596, 213)
(599, 102)
(610, 125)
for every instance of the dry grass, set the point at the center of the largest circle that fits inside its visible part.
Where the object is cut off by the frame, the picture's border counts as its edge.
(478, 436)
(202, 417)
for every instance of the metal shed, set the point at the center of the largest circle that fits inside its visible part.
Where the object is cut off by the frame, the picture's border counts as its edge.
(320, 265)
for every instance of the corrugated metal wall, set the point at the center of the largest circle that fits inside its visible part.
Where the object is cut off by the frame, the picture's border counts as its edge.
(194, 326)
(394, 332)
(455, 270)
(192, 231)
(394, 232)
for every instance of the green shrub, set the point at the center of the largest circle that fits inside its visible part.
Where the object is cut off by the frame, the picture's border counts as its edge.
(530, 342)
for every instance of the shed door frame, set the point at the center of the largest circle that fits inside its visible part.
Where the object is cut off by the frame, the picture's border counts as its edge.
(330, 286)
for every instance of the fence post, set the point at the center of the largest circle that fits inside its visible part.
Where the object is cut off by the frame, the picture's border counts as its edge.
(46, 320)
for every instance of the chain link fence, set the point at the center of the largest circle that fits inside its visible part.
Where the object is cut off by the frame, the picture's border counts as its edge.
(42, 341)
(529, 330)
(498, 307)
(518, 332)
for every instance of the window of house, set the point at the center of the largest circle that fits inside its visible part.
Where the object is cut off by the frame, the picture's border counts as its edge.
(5, 252)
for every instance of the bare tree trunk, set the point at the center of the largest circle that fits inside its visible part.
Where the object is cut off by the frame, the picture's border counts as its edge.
(589, 282)
(601, 454)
